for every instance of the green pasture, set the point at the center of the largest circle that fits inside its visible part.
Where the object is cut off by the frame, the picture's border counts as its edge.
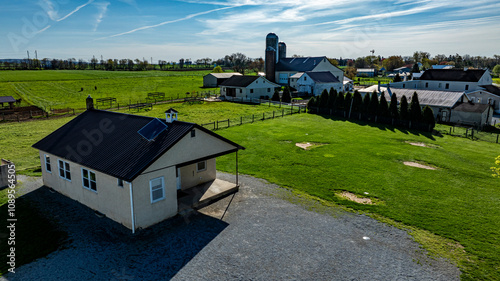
(460, 200)
(63, 89)
(455, 206)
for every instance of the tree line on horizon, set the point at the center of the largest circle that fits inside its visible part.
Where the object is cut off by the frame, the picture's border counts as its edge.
(239, 62)
(373, 108)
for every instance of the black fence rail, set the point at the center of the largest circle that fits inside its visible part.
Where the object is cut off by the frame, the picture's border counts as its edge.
(468, 132)
(238, 121)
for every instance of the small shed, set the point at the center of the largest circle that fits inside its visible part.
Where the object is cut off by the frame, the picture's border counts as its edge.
(315, 82)
(475, 114)
(213, 80)
(7, 100)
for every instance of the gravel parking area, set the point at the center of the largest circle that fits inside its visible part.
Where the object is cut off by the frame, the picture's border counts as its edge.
(266, 234)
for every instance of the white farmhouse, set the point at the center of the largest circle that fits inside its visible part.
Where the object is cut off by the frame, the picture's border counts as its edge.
(251, 87)
(313, 83)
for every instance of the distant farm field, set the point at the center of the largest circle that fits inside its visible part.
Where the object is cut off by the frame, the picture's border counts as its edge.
(496, 80)
(63, 89)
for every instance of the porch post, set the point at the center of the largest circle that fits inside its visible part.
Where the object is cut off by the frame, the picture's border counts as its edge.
(237, 167)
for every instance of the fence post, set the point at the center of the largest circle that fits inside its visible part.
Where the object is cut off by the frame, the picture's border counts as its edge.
(241, 120)
(472, 134)
(253, 118)
(273, 114)
(73, 111)
(466, 132)
(228, 123)
(497, 137)
(214, 125)
(217, 124)
(450, 130)
(282, 112)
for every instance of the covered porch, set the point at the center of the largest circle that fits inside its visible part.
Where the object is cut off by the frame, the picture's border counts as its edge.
(204, 194)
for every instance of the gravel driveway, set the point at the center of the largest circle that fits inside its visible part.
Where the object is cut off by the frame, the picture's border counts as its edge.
(263, 236)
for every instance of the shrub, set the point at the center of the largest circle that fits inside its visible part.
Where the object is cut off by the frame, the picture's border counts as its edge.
(366, 103)
(357, 101)
(347, 102)
(339, 102)
(323, 99)
(311, 103)
(403, 109)
(276, 95)
(373, 104)
(393, 108)
(332, 97)
(415, 109)
(383, 107)
(428, 117)
(286, 95)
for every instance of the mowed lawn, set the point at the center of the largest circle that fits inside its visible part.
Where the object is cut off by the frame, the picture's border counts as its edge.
(460, 200)
(63, 89)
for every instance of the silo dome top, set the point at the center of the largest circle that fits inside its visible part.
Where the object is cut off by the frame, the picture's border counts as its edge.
(272, 35)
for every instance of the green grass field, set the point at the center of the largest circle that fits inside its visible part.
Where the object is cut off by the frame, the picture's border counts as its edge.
(62, 89)
(496, 80)
(459, 201)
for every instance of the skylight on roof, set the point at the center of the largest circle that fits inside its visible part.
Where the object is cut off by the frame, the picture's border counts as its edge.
(151, 130)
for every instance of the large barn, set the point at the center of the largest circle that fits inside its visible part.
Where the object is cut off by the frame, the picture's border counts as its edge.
(279, 68)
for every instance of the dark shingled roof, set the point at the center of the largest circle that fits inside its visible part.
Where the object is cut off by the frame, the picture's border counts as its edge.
(322, 77)
(470, 75)
(492, 89)
(108, 142)
(240, 81)
(7, 99)
(298, 64)
(471, 107)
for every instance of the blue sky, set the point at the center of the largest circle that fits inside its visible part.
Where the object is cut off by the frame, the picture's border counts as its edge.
(170, 30)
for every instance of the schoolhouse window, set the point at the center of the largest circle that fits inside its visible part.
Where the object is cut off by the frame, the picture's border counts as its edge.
(157, 187)
(120, 182)
(201, 166)
(48, 167)
(193, 133)
(89, 180)
(64, 170)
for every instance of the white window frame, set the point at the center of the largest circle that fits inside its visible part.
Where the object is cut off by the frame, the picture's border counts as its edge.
(89, 179)
(162, 188)
(198, 168)
(47, 164)
(66, 172)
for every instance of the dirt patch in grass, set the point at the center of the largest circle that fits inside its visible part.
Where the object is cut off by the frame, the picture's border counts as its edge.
(309, 145)
(353, 197)
(418, 165)
(421, 144)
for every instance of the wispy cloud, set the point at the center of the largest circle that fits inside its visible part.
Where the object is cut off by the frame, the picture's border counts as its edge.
(52, 9)
(168, 22)
(102, 8)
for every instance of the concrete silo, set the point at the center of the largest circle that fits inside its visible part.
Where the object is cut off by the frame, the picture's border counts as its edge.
(281, 50)
(271, 56)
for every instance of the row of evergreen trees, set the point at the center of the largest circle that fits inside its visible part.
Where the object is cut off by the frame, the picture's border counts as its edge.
(372, 105)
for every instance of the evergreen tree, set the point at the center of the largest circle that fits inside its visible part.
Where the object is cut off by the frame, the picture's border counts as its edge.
(286, 95)
(332, 98)
(428, 117)
(357, 102)
(347, 102)
(397, 78)
(339, 102)
(323, 99)
(311, 103)
(373, 104)
(415, 68)
(383, 107)
(415, 109)
(276, 95)
(403, 108)
(393, 108)
(366, 103)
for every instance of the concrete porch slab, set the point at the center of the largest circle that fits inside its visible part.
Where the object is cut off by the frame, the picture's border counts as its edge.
(205, 194)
